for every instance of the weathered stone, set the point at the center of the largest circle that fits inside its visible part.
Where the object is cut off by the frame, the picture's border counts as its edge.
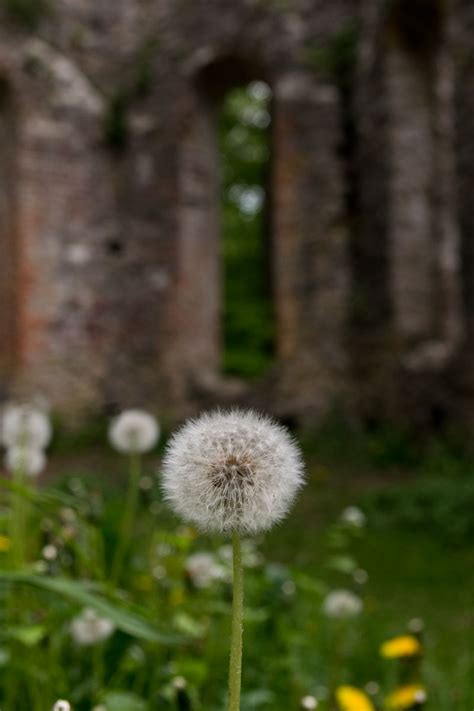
(110, 280)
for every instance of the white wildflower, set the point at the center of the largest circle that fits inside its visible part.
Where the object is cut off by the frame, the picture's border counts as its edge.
(203, 569)
(134, 431)
(26, 426)
(232, 471)
(354, 516)
(62, 705)
(342, 603)
(29, 461)
(89, 628)
(309, 702)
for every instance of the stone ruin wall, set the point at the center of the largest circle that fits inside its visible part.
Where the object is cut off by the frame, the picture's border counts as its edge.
(109, 204)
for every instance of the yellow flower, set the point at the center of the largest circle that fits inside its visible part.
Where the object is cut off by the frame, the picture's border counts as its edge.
(4, 544)
(406, 696)
(404, 646)
(351, 699)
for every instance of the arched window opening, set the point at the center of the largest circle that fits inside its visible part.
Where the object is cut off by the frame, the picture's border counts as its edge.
(7, 238)
(245, 150)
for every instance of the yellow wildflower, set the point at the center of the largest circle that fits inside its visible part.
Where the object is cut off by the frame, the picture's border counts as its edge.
(405, 697)
(404, 646)
(4, 544)
(351, 699)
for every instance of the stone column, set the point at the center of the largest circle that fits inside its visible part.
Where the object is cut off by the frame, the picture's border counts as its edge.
(463, 47)
(310, 239)
(406, 262)
(8, 237)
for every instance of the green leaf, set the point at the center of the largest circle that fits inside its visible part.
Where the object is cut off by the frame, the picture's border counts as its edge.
(343, 564)
(124, 701)
(129, 622)
(28, 635)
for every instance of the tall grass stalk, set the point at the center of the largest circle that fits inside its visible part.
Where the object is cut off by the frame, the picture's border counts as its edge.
(129, 516)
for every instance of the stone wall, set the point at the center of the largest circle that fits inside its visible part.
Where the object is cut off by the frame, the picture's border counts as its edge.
(109, 204)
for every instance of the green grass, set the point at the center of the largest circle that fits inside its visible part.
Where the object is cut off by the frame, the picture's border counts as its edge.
(290, 648)
(412, 572)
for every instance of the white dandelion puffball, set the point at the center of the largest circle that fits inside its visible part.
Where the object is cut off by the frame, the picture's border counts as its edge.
(62, 705)
(232, 471)
(25, 426)
(354, 516)
(29, 461)
(134, 431)
(89, 628)
(309, 702)
(342, 604)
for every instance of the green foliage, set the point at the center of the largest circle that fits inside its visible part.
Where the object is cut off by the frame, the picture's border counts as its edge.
(248, 328)
(441, 506)
(171, 625)
(27, 12)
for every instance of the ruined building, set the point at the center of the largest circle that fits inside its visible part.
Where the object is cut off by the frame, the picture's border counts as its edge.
(109, 203)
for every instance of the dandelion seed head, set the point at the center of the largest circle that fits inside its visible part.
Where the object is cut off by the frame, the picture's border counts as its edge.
(62, 705)
(179, 683)
(416, 625)
(26, 426)
(309, 702)
(232, 471)
(341, 604)
(134, 431)
(30, 461)
(89, 628)
(354, 516)
(49, 552)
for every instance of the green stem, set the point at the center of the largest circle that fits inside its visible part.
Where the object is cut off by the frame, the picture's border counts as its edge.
(17, 520)
(131, 505)
(235, 666)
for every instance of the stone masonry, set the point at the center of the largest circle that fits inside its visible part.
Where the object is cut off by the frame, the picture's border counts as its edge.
(110, 277)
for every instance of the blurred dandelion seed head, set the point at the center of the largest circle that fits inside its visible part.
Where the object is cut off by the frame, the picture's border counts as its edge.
(30, 461)
(232, 471)
(354, 516)
(309, 702)
(341, 604)
(134, 432)
(179, 683)
(416, 625)
(25, 426)
(89, 628)
(203, 569)
(62, 705)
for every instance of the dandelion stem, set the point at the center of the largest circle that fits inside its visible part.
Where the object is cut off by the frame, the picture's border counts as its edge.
(131, 505)
(235, 666)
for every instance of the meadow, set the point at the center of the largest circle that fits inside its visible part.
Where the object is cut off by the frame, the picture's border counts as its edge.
(380, 520)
